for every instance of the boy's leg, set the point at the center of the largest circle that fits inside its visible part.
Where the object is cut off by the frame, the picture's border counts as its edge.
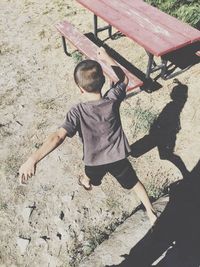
(123, 171)
(126, 176)
(92, 176)
(143, 196)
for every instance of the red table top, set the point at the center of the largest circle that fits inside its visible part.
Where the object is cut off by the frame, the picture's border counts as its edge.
(156, 31)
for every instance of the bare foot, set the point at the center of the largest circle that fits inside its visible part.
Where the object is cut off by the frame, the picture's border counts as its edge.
(85, 182)
(152, 217)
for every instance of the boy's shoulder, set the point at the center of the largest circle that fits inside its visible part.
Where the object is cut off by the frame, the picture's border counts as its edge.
(117, 92)
(74, 109)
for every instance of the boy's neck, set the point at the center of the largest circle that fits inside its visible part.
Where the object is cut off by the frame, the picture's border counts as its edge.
(92, 96)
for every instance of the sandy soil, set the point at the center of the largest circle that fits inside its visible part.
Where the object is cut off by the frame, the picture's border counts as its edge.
(53, 222)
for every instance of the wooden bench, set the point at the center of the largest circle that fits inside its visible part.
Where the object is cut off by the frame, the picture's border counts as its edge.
(89, 49)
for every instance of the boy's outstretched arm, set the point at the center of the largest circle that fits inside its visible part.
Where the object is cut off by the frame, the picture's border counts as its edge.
(28, 169)
(103, 55)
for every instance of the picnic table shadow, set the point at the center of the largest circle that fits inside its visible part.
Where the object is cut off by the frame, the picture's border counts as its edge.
(181, 60)
(177, 231)
(163, 131)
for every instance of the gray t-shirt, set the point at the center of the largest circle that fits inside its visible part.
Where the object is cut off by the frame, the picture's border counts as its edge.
(99, 126)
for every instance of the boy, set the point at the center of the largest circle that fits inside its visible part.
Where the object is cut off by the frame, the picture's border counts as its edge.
(97, 120)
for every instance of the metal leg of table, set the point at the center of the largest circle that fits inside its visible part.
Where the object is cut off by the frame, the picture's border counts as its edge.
(152, 67)
(149, 65)
(110, 31)
(95, 27)
(100, 29)
(164, 69)
(65, 46)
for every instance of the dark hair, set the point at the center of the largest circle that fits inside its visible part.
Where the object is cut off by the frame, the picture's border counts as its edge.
(88, 74)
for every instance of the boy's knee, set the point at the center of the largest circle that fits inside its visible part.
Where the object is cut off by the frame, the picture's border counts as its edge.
(128, 182)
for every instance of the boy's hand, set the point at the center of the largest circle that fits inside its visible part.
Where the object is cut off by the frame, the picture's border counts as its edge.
(27, 170)
(102, 55)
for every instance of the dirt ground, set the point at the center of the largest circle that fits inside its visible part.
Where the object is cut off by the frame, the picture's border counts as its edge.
(51, 221)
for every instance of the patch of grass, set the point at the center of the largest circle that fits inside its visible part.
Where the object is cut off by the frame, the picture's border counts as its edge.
(10, 96)
(47, 48)
(185, 10)
(47, 11)
(157, 186)
(38, 145)
(4, 49)
(21, 80)
(154, 191)
(5, 132)
(112, 203)
(41, 125)
(72, 13)
(77, 56)
(11, 164)
(47, 104)
(6, 98)
(42, 34)
(142, 119)
(3, 206)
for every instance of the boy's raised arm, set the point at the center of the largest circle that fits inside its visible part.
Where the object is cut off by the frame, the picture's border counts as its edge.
(103, 55)
(29, 167)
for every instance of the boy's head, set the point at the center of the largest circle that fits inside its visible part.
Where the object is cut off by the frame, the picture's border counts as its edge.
(89, 76)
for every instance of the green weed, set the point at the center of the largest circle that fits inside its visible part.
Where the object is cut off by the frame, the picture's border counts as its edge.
(77, 56)
(142, 119)
(3, 206)
(185, 10)
(47, 104)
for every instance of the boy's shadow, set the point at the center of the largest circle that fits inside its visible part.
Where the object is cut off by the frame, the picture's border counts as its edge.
(164, 129)
(177, 231)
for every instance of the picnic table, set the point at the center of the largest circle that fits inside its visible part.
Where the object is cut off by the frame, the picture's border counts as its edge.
(157, 32)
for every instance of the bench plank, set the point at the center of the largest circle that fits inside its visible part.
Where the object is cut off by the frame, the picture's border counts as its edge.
(88, 48)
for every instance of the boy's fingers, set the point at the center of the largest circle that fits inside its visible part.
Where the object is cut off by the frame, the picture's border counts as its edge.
(33, 171)
(30, 175)
(21, 178)
(23, 182)
(24, 178)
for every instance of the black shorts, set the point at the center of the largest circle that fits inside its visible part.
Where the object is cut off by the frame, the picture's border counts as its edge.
(122, 170)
